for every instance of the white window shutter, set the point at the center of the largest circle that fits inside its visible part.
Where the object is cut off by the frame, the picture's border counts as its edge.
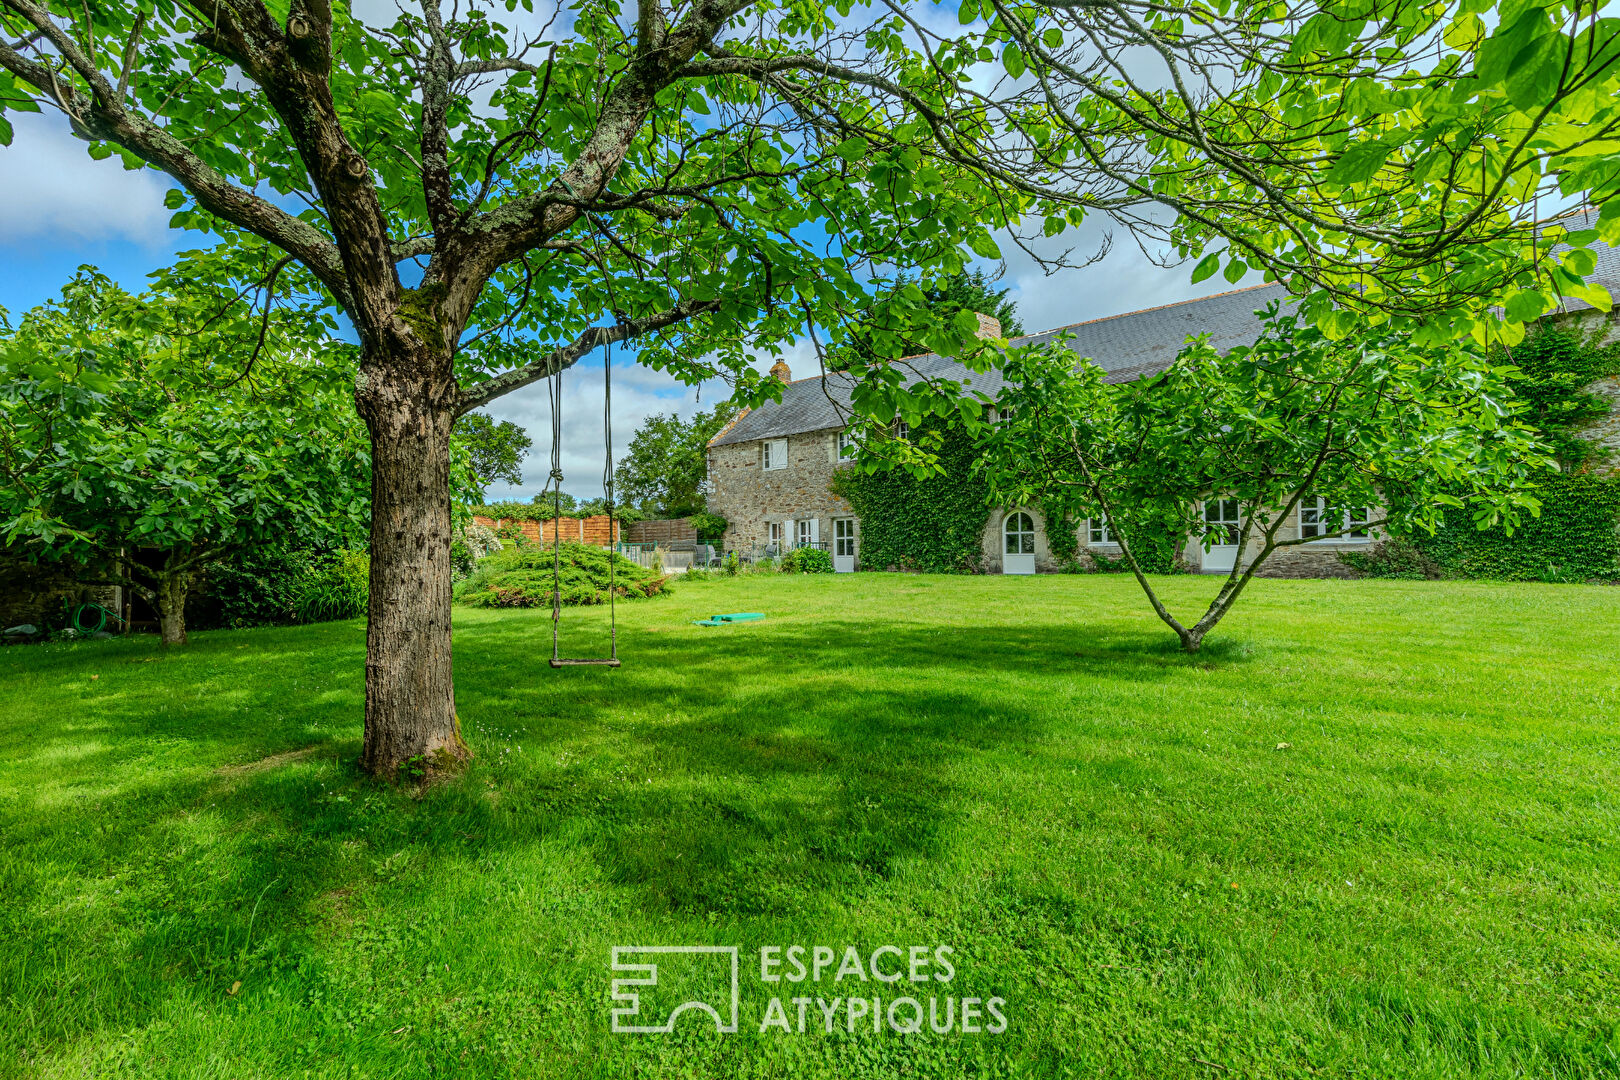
(815, 530)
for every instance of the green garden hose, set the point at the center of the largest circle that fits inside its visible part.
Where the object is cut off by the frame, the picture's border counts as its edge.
(101, 614)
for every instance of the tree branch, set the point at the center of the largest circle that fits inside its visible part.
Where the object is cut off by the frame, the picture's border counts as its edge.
(101, 116)
(570, 354)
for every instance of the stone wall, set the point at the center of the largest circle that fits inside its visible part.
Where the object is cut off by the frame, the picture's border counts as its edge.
(750, 497)
(35, 594)
(31, 594)
(1605, 430)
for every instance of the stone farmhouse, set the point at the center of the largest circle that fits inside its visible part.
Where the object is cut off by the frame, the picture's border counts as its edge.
(769, 470)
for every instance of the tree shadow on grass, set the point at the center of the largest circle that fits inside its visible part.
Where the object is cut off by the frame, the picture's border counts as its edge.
(773, 774)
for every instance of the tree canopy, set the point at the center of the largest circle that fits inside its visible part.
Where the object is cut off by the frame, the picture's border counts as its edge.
(495, 448)
(1369, 431)
(971, 291)
(664, 471)
(134, 449)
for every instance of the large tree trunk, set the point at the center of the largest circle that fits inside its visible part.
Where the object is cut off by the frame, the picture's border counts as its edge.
(410, 698)
(171, 605)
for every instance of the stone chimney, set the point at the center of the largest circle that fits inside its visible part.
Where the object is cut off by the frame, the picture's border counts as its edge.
(988, 327)
(784, 374)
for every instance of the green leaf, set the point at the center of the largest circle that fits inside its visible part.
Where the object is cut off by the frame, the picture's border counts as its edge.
(1235, 271)
(5, 131)
(1580, 261)
(852, 149)
(984, 246)
(1359, 163)
(1012, 58)
(1464, 31)
(1053, 38)
(1525, 305)
(968, 11)
(1536, 72)
(1496, 56)
(1206, 267)
(174, 198)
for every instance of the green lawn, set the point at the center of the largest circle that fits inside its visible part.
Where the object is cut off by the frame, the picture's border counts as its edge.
(1424, 883)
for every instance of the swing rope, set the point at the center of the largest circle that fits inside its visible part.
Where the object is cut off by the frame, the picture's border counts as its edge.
(554, 392)
(612, 659)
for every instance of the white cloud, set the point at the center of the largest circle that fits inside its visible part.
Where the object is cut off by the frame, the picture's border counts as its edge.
(52, 187)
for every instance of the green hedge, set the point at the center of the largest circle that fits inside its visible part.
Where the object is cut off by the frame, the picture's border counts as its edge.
(807, 561)
(934, 525)
(1576, 538)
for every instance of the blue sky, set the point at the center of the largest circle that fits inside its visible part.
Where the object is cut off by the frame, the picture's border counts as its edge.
(61, 209)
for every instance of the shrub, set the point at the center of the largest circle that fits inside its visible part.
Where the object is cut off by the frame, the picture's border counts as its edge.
(471, 544)
(511, 533)
(709, 526)
(1397, 557)
(259, 586)
(337, 588)
(522, 577)
(807, 561)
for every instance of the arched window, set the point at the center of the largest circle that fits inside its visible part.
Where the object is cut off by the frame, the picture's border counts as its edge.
(1020, 534)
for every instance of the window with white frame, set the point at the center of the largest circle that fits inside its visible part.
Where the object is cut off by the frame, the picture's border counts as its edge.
(775, 454)
(902, 430)
(848, 447)
(774, 535)
(1020, 534)
(1098, 531)
(997, 414)
(802, 534)
(1318, 520)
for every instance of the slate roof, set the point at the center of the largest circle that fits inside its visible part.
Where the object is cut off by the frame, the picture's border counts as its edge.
(1126, 347)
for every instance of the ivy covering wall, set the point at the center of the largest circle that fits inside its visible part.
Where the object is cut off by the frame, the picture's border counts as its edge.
(1577, 536)
(934, 525)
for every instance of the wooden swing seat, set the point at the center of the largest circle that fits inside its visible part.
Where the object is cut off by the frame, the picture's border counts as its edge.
(590, 661)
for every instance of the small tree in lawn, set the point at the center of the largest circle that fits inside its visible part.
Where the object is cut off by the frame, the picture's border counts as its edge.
(1380, 429)
(664, 470)
(122, 458)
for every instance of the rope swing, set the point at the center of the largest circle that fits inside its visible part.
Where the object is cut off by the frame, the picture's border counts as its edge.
(554, 388)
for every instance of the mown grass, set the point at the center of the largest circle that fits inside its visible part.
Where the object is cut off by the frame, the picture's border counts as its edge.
(1425, 883)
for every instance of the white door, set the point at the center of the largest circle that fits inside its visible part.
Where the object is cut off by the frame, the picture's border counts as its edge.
(1221, 528)
(844, 545)
(1018, 548)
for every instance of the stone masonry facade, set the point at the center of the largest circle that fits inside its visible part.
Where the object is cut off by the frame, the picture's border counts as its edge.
(751, 497)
